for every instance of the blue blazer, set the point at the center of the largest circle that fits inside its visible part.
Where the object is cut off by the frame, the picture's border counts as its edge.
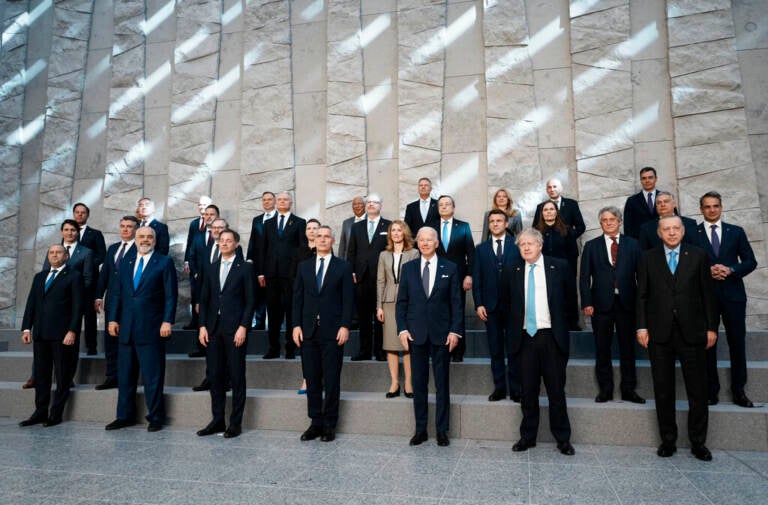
(430, 318)
(735, 252)
(598, 278)
(50, 315)
(321, 313)
(192, 233)
(108, 272)
(140, 312)
(162, 238)
(81, 260)
(461, 247)
(233, 303)
(486, 276)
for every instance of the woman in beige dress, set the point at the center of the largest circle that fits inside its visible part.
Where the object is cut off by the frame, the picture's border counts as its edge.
(399, 251)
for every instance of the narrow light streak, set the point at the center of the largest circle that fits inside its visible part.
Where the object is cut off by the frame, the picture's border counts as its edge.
(514, 133)
(142, 87)
(465, 97)
(163, 13)
(421, 128)
(580, 7)
(210, 92)
(373, 30)
(22, 78)
(232, 13)
(188, 45)
(312, 10)
(25, 19)
(369, 101)
(444, 37)
(457, 180)
(97, 127)
(24, 134)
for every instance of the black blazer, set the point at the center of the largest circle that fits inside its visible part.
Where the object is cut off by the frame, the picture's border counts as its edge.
(109, 272)
(94, 240)
(162, 238)
(637, 213)
(649, 236)
(194, 231)
(322, 313)
(278, 255)
(569, 213)
(413, 216)
(257, 236)
(461, 247)
(51, 315)
(685, 297)
(486, 272)
(364, 256)
(736, 253)
(81, 260)
(233, 304)
(598, 278)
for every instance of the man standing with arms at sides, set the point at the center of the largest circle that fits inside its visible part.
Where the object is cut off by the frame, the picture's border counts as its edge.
(226, 312)
(142, 306)
(323, 304)
(93, 240)
(567, 207)
(430, 322)
(198, 258)
(490, 260)
(284, 234)
(608, 284)
(730, 259)
(146, 213)
(538, 331)
(422, 212)
(257, 236)
(358, 211)
(52, 320)
(367, 239)
(457, 246)
(124, 250)
(676, 319)
(665, 206)
(641, 207)
(197, 227)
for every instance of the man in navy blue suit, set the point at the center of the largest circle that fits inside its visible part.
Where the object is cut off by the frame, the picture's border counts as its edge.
(537, 326)
(730, 259)
(608, 282)
(146, 212)
(430, 322)
(142, 308)
(93, 239)
(641, 207)
(666, 205)
(490, 259)
(422, 212)
(226, 312)
(197, 227)
(254, 243)
(323, 305)
(194, 265)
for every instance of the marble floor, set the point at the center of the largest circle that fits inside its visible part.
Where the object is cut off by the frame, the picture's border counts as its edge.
(81, 463)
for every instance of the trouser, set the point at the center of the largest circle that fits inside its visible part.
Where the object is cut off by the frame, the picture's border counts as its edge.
(420, 355)
(279, 307)
(733, 315)
(506, 376)
(49, 356)
(603, 323)
(321, 361)
(226, 362)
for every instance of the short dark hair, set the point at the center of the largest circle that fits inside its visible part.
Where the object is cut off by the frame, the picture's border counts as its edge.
(710, 194)
(313, 220)
(446, 196)
(130, 218)
(648, 169)
(268, 193)
(81, 204)
(212, 206)
(235, 235)
(69, 221)
(498, 212)
(425, 179)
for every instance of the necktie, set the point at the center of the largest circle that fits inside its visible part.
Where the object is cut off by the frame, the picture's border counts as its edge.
(650, 203)
(320, 274)
(445, 236)
(210, 238)
(672, 261)
(424, 210)
(120, 256)
(202, 225)
(214, 253)
(69, 250)
(280, 225)
(143, 223)
(499, 255)
(530, 304)
(425, 279)
(370, 231)
(50, 280)
(614, 250)
(223, 272)
(715, 240)
(137, 275)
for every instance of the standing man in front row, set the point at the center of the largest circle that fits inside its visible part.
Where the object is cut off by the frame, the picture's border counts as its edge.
(52, 321)
(141, 309)
(538, 330)
(676, 318)
(430, 322)
(226, 311)
(323, 304)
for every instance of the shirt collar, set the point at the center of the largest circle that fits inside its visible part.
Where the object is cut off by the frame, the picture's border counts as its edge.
(667, 250)
(718, 223)
(539, 262)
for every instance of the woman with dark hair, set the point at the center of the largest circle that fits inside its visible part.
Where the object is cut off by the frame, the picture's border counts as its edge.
(503, 201)
(305, 253)
(399, 251)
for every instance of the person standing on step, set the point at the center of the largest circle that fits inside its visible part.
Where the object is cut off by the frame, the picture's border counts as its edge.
(198, 258)
(94, 240)
(197, 227)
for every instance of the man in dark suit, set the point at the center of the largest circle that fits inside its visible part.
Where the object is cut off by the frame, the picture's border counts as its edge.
(457, 246)
(94, 240)
(537, 326)
(323, 303)
(491, 257)
(358, 214)
(226, 312)
(567, 207)
(254, 242)
(284, 234)
(422, 212)
(195, 262)
(52, 319)
(641, 207)
(730, 259)
(146, 212)
(666, 205)
(142, 307)
(607, 284)
(676, 319)
(430, 322)
(196, 227)
(124, 250)
(367, 239)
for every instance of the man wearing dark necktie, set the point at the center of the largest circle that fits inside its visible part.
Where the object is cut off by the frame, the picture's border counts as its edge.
(93, 239)
(197, 227)
(422, 212)
(641, 207)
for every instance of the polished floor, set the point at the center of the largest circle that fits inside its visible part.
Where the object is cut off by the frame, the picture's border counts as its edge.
(81, 463)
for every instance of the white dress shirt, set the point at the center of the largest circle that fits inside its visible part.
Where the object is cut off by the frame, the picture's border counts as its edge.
(543, 317)
(146, 262)
(127, 246)
(327, 261)
(708, 230)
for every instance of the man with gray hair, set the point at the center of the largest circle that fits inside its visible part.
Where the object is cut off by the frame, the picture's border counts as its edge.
(666, 205)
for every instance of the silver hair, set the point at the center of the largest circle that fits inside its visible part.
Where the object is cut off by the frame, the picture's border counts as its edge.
(530, 233)
(612, 209)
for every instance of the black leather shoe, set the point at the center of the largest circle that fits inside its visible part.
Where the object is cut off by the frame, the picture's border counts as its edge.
(211, 429)
(153, 427)
(515, 397)
(496, 396)
(290, 355)
(381, 357)
(713, 400)
(701, 452)
(196, 354)
(523, 445)
(603, 396)
(233, 431)
(419, 438)
(312, 433)
(442, 439)
(566, 448)
(52, 422)
(329, 434)
(457, 359)
(91, 352)
(632, 396)
(118, 424)
(666, 450)
(741, 400)
(360, 357)
(203, 386)
(109, 383)
(33, 420)
(394, 394)
(271, 355)
(408, 395)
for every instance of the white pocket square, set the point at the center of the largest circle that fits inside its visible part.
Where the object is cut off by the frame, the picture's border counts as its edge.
(444, 276)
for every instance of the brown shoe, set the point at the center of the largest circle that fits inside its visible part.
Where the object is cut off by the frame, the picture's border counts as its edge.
(29, 384)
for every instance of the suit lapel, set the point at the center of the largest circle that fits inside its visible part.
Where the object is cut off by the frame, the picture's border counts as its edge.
(149, 265)
(603, 252)
(330, 268)
(64, 270)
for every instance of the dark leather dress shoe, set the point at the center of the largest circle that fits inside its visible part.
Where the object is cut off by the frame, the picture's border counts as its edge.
(566, 448)
(603, 396)
(666, 450)
(523, 445)
(211, 429)
(496, 396)
(196, 354)
(290, 355)
(394, 394)
(233, 431)
(381, 357)
(119, 424)
(52, 422)
(203, 386)
(457, 359)
(633, 397)
(271, 355)
(360, 357)
(153, 427)
(109, 383)
(29, 384)
(442, 439)
(515, 397)
(329, 434)
(701, 453)
(33, 420)
(741, 400)
(312, 433)
(713, 400)
(419, 438)
(91, 352)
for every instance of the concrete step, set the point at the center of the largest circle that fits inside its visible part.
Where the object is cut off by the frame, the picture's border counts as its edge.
(472, 416)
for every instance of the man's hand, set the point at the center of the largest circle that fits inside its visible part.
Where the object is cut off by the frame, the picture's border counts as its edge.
(405, 336)
(165, 330)
(642, 338)
(452, 341)
(202, 336)
(113, 328)
(354, 278)
(298, 336)
(240, 335)
(589, 311)
(482, 313)
(186, 268)
(26, 337)
(711, 338)
(262, 281)
(97, 306)
(467, 284)
(342, 335)
(69, 338)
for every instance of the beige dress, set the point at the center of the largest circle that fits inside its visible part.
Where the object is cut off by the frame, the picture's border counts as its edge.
(387, 280)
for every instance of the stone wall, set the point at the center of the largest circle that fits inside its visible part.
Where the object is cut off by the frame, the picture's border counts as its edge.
(105, 101)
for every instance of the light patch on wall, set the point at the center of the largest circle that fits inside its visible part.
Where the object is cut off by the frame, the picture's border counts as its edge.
(312, 10)
(97, 127)
(24, 20)
(252, 56)
(373, 30)
(22, 78)
(444, 37)
(462, 176)
(232, 13)
(214, 161)
(210, 92)
(24, 134)
(163, 13)
(513, 134)
(136, 155)
(191, 43)
(465, 96)
(581, 7)
(545, 36)
(369, 101)
(422, 126)
(511, 59)
(142, 87)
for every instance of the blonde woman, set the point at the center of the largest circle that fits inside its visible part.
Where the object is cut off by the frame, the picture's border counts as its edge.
(503, 201)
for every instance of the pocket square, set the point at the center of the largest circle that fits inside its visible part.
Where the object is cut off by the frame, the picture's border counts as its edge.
(444, 276)
(382, 233)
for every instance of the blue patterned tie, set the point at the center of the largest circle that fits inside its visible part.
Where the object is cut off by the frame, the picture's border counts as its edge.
(50, 280)
(672, 261)
(715, 240)
(445, 235)
(530, 304)
(370, 231)
(137, 275)
(320, 274)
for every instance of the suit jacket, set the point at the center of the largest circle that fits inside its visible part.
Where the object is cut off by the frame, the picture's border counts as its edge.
(140, 312)
(649, 236)
(255, 240)
(109, 272)
(279, 254)
(637, 213)
(685, 297)
(194, 231)
(200, 260)
(560, 288)
(413, 216)
(363, 255)
(430, 318)
(346, 229)
(514, 226)
(232, 304)
(94, 240)
(162, 237)
(598, 278)
(81, 260)
(569, 213)
(321, 313)
(486, 272)
(736, 253)
(461, 247)
(51, 315)
(387, 280)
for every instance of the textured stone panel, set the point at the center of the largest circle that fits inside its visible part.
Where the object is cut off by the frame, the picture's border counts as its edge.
(610, 57)
(753, 65)
(701, 56)
(677, 8)
(269, 106)
(267, 74)
(700, 28)
(705, 158)
(421, 125)
(648, 28)
(504, 23)
(561, 163)
(71, 24)
(600, 28)
(266, 44)
(651, 101)
(600, 187)
(508, 64)
(263, 13)
(266, 148)
(749, 20)
(417, 158)
(507, 135)
(709, 90)
(736, 184)
(517, 168)
(759, 147)
(191, 143)
(350, 172)
(381, 49)
(598, 91)
(274, 180)
(604, 133)
(509, 101)
(310, 128)
(710, 127)
(69, 54)
(549, 34)
(464, 54)
(346, 138)
(308, 57)
(464, 115)
(554, 105)
(618, 165)
(126, 67)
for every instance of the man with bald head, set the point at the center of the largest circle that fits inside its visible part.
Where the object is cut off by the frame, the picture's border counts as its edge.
(568, 208)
